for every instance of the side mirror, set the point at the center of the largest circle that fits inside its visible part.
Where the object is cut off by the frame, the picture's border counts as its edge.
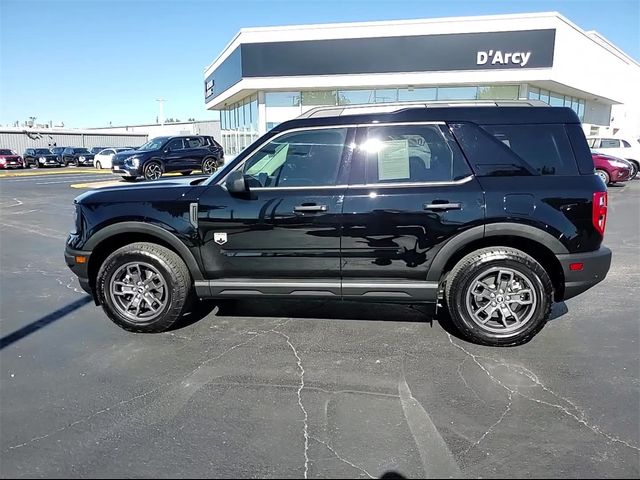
(167, 150)
(236, 183)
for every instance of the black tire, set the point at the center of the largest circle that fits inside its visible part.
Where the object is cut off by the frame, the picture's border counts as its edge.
(98, 165)
(462, 279)
(635, 167)
(604, 176)
(152, 171)
(36, 163)
(186, 173)
(129, 179)
(174, 273)
(209, 165)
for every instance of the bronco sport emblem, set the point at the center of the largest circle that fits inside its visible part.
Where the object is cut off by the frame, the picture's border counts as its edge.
(220, 238)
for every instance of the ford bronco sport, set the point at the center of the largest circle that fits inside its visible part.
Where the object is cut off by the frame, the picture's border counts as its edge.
(495, 210)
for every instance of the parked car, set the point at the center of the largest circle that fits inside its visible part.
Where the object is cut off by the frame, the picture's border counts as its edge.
(103, 158)
(611, 169)
(77, 156)
(10, 159)
(58, 152)
(626, 148)
(41, 157)
(96, 150)
(494, 209)
(169, 154)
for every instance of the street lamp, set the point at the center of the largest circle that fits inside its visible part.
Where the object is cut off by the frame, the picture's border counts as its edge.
(161, 107)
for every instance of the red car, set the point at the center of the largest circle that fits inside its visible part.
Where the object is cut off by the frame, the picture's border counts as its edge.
(10, 159)
(611, 169)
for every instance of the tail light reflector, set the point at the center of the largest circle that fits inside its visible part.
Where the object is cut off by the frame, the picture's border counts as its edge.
(599, 213)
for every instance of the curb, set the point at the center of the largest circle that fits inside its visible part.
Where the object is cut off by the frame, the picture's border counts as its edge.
(57, 171)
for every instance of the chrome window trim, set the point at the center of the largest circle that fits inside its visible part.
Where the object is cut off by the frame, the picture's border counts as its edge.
(462, 181)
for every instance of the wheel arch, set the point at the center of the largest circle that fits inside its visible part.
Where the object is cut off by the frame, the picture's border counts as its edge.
(540, 245)
(113, 237)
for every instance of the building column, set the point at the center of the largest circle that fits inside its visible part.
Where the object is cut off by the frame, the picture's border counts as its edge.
(262, 114)
(523, 93)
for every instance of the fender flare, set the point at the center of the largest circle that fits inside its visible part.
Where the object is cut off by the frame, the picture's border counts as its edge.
(491, 230)
(149, 229)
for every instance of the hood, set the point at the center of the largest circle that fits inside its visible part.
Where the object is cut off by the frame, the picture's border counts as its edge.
(83, 155)
(10, 157)
(158, 190)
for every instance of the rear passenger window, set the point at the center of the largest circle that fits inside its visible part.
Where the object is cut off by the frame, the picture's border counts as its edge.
(412, 154)
(609, 143)
(545, 148)
(193, 142)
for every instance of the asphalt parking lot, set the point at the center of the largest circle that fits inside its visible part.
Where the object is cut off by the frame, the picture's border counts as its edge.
(304, 389)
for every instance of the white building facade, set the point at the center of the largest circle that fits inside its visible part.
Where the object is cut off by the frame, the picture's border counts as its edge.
(266, 76)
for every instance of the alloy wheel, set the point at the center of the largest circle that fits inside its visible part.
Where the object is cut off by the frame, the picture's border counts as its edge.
(603, 175)
(153, 171)
(501, 300)
(208, 166)
(138, 291)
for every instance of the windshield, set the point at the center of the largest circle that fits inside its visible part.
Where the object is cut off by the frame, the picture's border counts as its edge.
(42, 151)
(7, 152)
(154, 143)
(57, 149)
(80, 150)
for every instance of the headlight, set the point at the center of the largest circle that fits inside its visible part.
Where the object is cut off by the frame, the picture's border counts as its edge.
(81, 158)
(42, 159)
(619, 164)
(133, 161)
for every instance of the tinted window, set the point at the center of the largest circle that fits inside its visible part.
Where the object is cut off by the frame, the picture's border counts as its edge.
(609, 143)
(195, 142)
(81, 150)
(412, 153)
(175, 144)
(625, 144)
(6, 152)
(298, 159)
(42, 151)
(546, 148)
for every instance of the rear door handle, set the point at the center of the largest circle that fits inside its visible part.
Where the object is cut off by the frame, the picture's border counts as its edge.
(442, 206)
(310, 208)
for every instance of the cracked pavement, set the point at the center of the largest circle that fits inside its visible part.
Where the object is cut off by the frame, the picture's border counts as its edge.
(306, 389)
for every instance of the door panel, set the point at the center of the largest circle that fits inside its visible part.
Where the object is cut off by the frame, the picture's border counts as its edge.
(288, 226)
(411, 192)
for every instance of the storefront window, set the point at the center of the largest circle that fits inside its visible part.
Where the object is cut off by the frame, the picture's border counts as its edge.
(457, 93)
(556, 100)
(355, 97)
(386, 95)
(544, 96)
(534, 93)
(327, 97)
(416, 94)
(498, 92)
(282, 99)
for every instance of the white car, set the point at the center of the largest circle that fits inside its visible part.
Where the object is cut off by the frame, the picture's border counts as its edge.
(103, 159)
(621, 147)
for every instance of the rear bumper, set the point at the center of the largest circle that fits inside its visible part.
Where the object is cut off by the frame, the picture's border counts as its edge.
(80, 269)
(594, 270)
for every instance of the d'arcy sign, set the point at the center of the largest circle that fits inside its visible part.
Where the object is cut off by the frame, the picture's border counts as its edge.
(502, 58)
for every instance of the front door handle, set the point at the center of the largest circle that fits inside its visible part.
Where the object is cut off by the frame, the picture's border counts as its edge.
(442, 206)
(304, 208)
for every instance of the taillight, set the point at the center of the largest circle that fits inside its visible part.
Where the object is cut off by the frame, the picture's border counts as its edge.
(599, 212)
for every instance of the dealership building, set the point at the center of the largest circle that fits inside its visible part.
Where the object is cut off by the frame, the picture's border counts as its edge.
(266, 76)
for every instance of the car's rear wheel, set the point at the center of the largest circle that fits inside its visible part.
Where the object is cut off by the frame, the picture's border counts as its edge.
(499, 296)
(144, 287)
(98, 165)
(604, 176)
(209, 165)
(152, 171)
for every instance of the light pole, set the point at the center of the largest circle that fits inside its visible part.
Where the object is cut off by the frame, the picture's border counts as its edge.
(161, 107)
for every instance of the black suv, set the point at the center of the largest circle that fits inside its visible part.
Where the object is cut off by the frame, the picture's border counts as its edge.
(169, 154)
(77, 156)
(40, 157)
(496, 211)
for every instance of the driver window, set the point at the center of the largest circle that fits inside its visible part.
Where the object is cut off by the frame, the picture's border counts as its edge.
(298, 159)
(175, 144)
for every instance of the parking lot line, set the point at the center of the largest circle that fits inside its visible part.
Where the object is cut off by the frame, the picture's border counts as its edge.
(37, 172)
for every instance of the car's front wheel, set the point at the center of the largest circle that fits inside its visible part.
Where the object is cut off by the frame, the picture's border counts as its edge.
(499, 296)
(144, 287)
(209, 165)
(634, 169)
(152, 171)
(98, 165)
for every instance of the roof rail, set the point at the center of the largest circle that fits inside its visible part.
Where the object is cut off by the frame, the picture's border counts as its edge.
(340, 110)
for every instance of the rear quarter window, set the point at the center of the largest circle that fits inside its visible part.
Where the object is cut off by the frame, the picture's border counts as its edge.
(545, 148)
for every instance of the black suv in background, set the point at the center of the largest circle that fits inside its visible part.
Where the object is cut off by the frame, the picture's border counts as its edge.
(40, 157)
(77, 156)
(494, 210)
(169, 154)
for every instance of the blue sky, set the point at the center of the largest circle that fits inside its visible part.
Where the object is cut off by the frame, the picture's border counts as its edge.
(92, 62)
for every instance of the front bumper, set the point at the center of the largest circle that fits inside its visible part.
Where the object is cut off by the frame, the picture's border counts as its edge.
(594, 270)
(80, 269)
(620, 174)
(124, 171)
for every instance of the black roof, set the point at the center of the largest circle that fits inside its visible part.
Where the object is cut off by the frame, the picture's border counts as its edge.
(484, 115)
